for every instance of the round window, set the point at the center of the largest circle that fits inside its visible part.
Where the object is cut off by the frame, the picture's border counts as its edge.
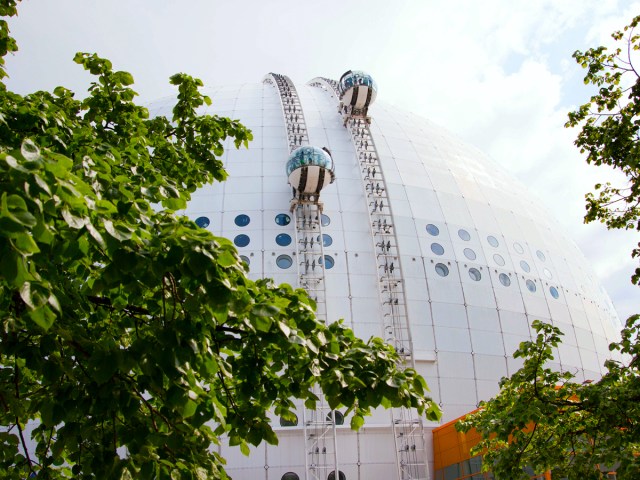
(518, 248)
(470, 254)
(442, 269)
(339, 417)
(290, 476)
(437, 248)
(202, 222)
(242, 220)
(245, 259)
(541, 255)
(325, 220)
(493, 241)
(283, 219)
(283, 239)
(531, 286)
(433, 230)
(464, 235)
(504, 279)
(289, 422)
(498, 259)
(475, 275)
(326, 240)
(525, 266)
(241, 240)
(329, 262)
(341, 475)
(548, 273)
(554, 292)
(284, 261)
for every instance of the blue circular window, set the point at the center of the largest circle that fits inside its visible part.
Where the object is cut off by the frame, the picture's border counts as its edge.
(464, 235)
(442, 269)
(203, 222)
(541, 255)
(498, 259)
(518, 248)
(242, 220)
(326, 240)
(241, 240)
(493, 241)
(284, 261)
(525, 266)
(548, 273)
(283, 239)
(283, 219)
(554, 292)
(325, 220)
(470, 254)
(245, 259)
(437, 248)
(531, 286)
(475, 275)
(433, 230)
(504, 279)
(329, 262)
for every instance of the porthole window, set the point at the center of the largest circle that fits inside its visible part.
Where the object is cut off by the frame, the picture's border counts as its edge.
(475, 274)
(289, 423)
(442, 269)
(283, 239)
(531, 286)
(541, 255)
(242, 220)
(283, 219)
(284, 261)
(341, 475)
(203, 222)
(498, 259)
(329, 262)
(241, 240)
(470, 254)
(326, 240)
(437, 248)
(525, 266)
(554, 292)
(339, 417)
(493, 241)
(504, 279)
(325, 220)
(547, 273)
(433, 230)
(245, 259)
(290, 476)
(464, 235)
(518, 248)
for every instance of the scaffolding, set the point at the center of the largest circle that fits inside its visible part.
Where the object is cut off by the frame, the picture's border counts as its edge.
(408, 427)
(321, 445)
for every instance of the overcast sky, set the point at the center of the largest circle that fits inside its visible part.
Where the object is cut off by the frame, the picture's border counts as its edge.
(497, 73)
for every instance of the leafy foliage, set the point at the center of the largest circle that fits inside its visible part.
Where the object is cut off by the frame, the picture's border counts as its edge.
(610, 124)
(543, 419)
(129, 338)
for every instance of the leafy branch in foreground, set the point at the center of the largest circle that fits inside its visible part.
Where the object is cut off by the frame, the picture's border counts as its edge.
(131, 339)
(543, 419)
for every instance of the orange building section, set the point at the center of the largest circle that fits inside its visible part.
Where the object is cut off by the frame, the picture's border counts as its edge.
(451, 446)
(452, 460)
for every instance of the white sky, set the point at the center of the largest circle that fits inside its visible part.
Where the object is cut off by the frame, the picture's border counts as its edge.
(497, 73)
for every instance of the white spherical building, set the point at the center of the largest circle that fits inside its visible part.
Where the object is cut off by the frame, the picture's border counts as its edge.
(424, 241)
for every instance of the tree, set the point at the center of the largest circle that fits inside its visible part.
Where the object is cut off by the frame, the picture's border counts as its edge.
(130, 338)
(543, 419)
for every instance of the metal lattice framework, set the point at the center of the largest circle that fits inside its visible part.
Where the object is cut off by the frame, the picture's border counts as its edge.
(411, 455)
(319, 425)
